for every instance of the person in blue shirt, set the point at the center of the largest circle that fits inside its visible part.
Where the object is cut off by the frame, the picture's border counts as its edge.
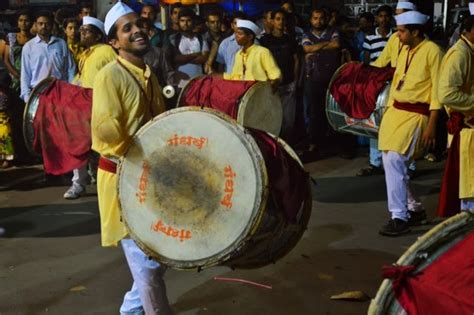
(45, 56)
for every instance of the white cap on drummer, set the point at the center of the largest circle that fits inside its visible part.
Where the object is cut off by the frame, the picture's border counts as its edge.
(248, 25)
(406, 5)
(89, 20)
(411, 17)
(116, 12)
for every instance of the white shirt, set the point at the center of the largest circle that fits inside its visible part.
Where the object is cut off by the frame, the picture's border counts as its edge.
(190, 46)
(40, 60)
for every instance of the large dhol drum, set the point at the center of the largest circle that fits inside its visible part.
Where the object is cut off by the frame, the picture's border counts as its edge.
(197, 189)
(255, 105)
(341, 122)
(442, 239)
(30, 113)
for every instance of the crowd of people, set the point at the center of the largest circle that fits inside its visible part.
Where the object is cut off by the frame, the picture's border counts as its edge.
(128, 57)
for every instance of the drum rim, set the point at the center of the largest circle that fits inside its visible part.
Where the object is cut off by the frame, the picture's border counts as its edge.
(244, 102)
(384, 293)
(185, 89)
(249, 230)
(34, 95)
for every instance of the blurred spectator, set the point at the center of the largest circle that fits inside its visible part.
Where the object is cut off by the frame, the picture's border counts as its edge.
(71, 32)
(174, 22)
(154, 34)
(375, 43)
(14, 46)
(189, 49)
(267, 23)
(213, 37)
(366, 26)
(284, 50)
(36, 63)
(7, 151)
(85, 9)
(322, 57)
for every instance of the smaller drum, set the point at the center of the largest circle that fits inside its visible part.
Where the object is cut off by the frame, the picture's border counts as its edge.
(195, 191)
(341, 122)
(422, 254)
(30, 113)
(253, 104)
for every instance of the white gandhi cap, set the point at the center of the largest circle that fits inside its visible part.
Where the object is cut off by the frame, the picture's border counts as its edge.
(88, 20)
(249, 25)
(116, 12)
(405, 5)
(411, 17)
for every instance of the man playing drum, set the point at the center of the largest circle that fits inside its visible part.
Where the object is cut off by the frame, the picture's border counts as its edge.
(409, 123)
(387, 58)
(126, 95)
(456, 92)
(94, 58)
(253, 62)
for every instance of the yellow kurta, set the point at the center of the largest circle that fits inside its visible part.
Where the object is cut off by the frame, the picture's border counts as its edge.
(456, 92)
(390, 53)
(255, 64)
(76, 50)
(92, 60)
(398, 127)
(119, 109)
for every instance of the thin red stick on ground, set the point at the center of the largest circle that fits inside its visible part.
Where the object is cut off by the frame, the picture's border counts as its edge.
(243, 281)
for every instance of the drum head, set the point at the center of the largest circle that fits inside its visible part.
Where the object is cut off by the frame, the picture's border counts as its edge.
(30, 113)
(191, 186)
(261, 109)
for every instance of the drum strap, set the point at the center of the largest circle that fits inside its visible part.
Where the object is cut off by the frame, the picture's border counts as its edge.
(149, 101)
(420, 108)
(107, 165)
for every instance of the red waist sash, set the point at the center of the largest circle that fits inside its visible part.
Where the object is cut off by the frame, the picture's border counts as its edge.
(420, 108)
(107, 165)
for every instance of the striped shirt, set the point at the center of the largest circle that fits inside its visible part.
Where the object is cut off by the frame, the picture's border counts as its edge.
(375, 43)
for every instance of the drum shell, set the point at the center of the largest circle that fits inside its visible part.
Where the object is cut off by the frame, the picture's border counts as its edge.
(258, 107)
(267, 238)
(340, 122)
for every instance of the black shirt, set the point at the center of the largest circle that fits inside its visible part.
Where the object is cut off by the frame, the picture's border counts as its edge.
(283, 50)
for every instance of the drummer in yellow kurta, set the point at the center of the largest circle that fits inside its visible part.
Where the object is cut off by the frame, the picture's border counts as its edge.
(94, 58)
(126, 95)
(96, 54)
(253, 62)
(388, 57)
(456, 92)
(409, 123)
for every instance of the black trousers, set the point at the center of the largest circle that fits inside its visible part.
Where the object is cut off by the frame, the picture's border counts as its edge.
(316, 121)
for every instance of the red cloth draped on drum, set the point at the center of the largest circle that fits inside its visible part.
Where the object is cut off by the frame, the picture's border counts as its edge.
(444, 287)
(222, 95)
(287, 178)
(62, 127)
(357, 88)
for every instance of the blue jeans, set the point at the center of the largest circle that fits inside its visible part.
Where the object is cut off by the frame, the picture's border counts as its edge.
(467, 204)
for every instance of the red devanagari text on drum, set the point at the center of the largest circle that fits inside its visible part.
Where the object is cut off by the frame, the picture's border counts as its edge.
(141, 194)
(176, 140)
(170, 231)
(229, 175)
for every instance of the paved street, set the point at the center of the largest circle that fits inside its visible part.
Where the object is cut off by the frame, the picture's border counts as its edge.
(51, 261)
